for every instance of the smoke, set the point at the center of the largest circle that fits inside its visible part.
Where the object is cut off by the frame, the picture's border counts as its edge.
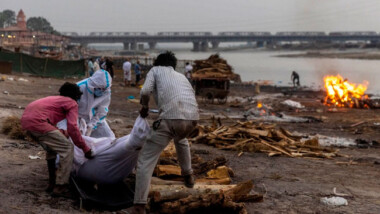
(355, 71)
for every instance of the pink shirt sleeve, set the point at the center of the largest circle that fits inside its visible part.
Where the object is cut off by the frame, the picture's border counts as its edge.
(72, 127)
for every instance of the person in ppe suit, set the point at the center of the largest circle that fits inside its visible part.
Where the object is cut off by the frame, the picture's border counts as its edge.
(94, 103)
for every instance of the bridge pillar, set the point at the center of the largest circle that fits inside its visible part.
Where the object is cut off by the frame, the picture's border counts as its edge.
(126, 45)
(260, 44)
(215, 45)
(133, 46)
(196, 46)
(374, 43)
(269, 43)
(152, 45)
(204, 46)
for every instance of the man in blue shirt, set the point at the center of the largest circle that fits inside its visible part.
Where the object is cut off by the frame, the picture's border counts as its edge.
(138, 72)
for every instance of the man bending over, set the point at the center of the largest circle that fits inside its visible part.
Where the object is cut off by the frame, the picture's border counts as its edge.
(40, 119)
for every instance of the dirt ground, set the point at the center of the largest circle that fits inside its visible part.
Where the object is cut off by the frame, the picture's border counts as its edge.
(289, 185)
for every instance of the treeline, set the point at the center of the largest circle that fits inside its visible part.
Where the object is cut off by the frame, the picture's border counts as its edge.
(8, 18)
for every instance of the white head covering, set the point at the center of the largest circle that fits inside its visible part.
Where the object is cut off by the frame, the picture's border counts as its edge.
(100, 79)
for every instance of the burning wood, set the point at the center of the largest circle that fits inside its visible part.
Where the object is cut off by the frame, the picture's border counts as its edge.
(341, 93)
(251, 137)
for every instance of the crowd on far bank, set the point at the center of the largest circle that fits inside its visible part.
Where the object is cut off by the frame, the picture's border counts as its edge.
(106, 63)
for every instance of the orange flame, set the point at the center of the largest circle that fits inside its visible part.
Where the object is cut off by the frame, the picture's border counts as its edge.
(341, 93)
(259, 105)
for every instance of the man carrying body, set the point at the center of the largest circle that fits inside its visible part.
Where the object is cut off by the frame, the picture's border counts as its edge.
(40, 119)
(127, 72)
(178, 109)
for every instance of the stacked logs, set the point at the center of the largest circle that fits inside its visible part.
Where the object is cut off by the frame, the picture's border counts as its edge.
(252, 137)
(211, 198)
(213, 67)
(213, 190)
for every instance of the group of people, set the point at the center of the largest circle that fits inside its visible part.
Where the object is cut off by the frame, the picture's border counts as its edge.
(86, 103)
(100, 63)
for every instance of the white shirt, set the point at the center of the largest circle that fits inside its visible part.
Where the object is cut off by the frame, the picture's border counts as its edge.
(127, 66)
(172, 92)
(188, 69)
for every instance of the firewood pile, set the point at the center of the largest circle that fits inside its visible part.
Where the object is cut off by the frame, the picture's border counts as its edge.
(213, 67)
(252, 137)
(212, 192)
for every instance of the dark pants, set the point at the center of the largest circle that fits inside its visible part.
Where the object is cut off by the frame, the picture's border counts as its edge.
(111, 72)
(138, 78)
(296, 81)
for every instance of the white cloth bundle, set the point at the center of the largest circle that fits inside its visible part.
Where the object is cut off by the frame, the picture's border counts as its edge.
(114, 158)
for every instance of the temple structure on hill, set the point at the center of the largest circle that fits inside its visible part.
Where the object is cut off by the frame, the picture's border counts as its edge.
(19, 38)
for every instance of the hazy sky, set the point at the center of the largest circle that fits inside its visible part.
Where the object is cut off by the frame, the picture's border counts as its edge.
(203, 15)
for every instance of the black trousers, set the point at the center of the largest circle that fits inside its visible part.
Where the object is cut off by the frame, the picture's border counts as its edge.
(138, 78)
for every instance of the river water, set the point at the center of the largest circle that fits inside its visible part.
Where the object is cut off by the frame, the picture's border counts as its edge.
(264, 65)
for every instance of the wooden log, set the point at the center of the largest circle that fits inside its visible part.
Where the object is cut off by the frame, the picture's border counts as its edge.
(237, 145)
(219, 172)
(255, 132)
(240, 190)
(290, 135)
(167, 170)
(208, 165)
(160, 193)
(357, 124)
(169, 151)
(277, 148)
(167, 161)
(284, 137)
(223, 200)
(221, 181)
(159, 181)
(208, 202)
(313, 154)
(251, 198)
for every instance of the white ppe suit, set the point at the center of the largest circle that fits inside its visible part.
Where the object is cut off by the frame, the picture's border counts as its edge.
(95, 109)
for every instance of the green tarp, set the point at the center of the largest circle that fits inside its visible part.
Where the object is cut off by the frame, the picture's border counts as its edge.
(45, 67)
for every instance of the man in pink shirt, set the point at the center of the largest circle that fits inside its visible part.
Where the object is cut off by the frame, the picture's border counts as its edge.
(40, 118)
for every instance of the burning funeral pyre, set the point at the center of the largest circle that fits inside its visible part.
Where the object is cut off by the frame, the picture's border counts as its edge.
(341, 93)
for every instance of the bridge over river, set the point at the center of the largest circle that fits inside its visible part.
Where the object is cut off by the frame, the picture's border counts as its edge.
(202, 41)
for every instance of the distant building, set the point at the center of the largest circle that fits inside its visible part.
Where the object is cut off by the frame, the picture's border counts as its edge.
(21, 38)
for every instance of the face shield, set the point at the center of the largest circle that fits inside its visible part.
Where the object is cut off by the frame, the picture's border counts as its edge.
(98, 92)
